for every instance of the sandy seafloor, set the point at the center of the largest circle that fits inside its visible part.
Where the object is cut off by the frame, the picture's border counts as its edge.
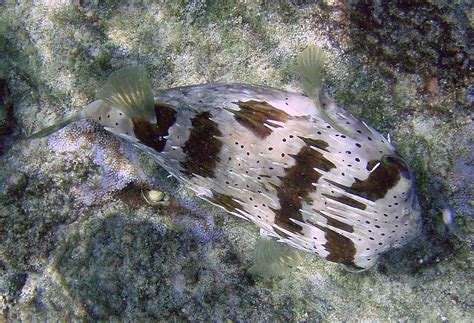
(78, 242)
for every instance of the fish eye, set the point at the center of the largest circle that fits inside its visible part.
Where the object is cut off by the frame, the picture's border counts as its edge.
(399, 163)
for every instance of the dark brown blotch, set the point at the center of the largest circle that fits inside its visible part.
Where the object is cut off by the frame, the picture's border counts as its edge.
(376, 186)
(400, 164)
(321, 144)
(256, 116)
(347, 201)
(226, 201)
(297, 184)
(341, 249)
(153, 135)
(202, 147)
(338, 224)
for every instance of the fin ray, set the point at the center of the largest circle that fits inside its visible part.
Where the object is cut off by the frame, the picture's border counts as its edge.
(310, 65)
(129, 90)
(273, 258)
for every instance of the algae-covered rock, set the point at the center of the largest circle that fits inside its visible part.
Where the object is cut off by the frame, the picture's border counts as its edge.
(405, 69)
(6, 107)
(6, 112)
(427, 38)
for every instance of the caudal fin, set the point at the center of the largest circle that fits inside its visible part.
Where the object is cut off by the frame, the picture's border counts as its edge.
(83, 114)
(127, 90)
(55, 127)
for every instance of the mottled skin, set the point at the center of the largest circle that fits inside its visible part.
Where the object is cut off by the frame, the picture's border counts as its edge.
(305, 171)
(332, 187)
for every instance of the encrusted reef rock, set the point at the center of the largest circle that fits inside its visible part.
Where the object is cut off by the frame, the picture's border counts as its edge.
(428, 38)
(78, 241)
(115, 159)
(6, 113)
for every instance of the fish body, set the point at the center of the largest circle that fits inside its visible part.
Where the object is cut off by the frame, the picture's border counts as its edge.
(306, 172)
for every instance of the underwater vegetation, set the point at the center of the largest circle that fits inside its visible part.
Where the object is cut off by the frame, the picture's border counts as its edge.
(77, 239)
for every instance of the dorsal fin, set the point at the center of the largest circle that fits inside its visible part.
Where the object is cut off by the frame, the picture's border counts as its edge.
(310, 64)
(129, 91)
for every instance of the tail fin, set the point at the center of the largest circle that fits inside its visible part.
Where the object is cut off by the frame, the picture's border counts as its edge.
(55, 127)
(83, 114)
(127, 90)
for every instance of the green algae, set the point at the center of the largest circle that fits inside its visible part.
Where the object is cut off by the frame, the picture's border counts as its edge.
(116, 260)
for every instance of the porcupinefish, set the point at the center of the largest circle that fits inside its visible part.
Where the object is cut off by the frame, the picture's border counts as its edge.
(305, 171)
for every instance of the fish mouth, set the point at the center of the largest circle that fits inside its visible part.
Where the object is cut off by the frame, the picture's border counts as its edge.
(416, 209)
